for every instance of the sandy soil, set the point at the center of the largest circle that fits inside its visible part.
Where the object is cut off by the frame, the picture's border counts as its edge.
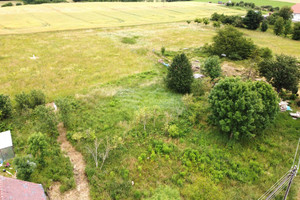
(81, 192)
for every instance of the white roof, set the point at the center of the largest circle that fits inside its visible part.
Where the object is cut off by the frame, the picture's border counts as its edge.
(5, 140)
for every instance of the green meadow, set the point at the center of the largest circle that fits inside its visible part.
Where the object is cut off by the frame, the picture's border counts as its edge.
(101, 60)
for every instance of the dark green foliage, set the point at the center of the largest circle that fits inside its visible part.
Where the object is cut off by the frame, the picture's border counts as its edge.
(285, 12)
(31, 100)
(5, 107)
(25, 167)
(296, 31)
(264, 26)
(287, 27)
(180, 74)
(198, 20)
(129, 40)
(278, 26)
(282, 72)
(230, 41)
(239, 108)
(265, 53)
(19, 4)
(7, 4)
(217, 24)
(38, 147)
(272, 18)
(253, 19)
(46, 120)
(199, 87)
(212, 67)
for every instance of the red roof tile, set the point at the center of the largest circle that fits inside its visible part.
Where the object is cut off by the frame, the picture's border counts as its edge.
(14, 189)
(296, 8)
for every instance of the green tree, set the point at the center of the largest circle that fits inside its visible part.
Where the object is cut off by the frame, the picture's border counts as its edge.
(252, 19)
(296, 31)
(286, 13)
(180, 74)
(278, 26)
(287, 27)
(238, 107)
(25, 167)
(264, 26)
(230, 41)
(198, 21)
(282, 72)
(212, 67)
(38, 147)
(66, 106)
(5, 107)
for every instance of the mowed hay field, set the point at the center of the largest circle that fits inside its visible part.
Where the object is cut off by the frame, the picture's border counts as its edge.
(73, 62)
(64, 16)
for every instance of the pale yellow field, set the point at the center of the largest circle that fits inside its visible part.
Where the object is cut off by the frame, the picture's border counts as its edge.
(66, 16)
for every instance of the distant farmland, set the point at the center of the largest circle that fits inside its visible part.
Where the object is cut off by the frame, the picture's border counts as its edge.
(66, 16)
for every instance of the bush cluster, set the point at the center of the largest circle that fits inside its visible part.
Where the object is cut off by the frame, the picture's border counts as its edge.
(30, 100)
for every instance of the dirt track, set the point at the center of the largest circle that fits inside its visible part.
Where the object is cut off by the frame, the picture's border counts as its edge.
(81, 192)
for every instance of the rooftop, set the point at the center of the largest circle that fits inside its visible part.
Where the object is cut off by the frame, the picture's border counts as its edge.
(296, 8)
(14, 189)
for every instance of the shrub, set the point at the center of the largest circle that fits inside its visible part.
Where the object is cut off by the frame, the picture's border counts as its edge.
(264, 26)
(287, 27)
(278, 26)
(296, 31)
(241, 108)
(212, 67)
(38, 147)
(230, 41)
(25, 167)
(31, 100)
(173, 131)
(265, 53)
(198, 20)
(129, 40)
(180, 74)
(198, 87)
(7, 4)
(206, 21)
(19, 4)
(188, 21)
(66, 107)
(5, 107)
(282, 72)
(163, 50)
(22, 101)
(46, 120)
(252, 19)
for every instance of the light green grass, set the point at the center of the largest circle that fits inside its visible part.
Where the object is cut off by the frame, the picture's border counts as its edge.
(65, 16)
(275, 3)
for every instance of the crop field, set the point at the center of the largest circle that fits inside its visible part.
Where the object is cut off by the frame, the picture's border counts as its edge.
(275, 3)
(65, 16)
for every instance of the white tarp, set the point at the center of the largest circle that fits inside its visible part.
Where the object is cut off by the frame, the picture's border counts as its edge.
(5, 140)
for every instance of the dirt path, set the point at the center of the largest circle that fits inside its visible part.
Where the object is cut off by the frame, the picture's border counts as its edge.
(81, 192)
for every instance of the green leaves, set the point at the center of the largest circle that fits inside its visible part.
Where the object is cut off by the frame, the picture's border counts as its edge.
(242, 108)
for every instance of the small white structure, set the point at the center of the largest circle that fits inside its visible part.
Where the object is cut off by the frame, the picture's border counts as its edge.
(296, 12)
(283, 106)
(196, 76)
(6, 146)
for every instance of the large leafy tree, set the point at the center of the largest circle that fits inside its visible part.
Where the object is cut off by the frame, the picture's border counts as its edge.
(180, 74)
(253, 19)
(282, 72)
(230, 41)
(242, 108)
(286, 12)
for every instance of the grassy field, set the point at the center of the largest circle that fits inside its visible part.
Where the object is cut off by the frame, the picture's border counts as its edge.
(275, 3)
(75, 61)
(65, 16)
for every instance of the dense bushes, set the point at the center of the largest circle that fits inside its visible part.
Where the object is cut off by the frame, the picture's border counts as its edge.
(180, 74)
(45, 120)
(30, 100)
(5, 107)
(231, 43)
(42, 1)
(282, 72)
(242, 108)
(25, 167)
(296, 31)
(252, 19)
(7, 4)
